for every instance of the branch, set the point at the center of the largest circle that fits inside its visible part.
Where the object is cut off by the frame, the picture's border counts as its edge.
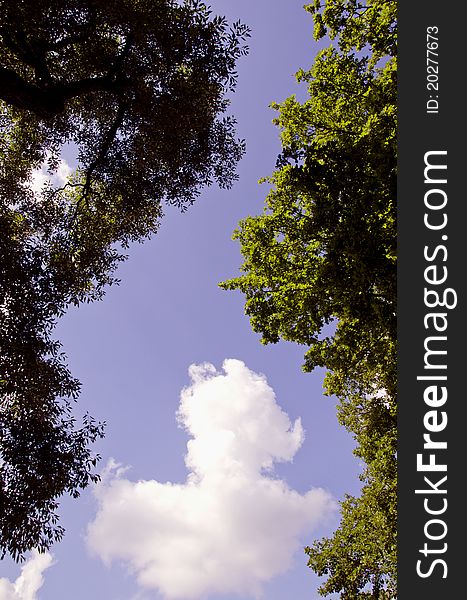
(47, 98)
(49, 101)
(86, 86)
(107, 142)
(21, 94)
(115, 71)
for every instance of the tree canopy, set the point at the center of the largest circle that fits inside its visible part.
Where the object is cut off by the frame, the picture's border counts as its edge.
(320, 267)
(138, 92)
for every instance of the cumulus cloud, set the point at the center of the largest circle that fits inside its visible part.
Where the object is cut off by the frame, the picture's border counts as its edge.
(232, 526)
(29, 581)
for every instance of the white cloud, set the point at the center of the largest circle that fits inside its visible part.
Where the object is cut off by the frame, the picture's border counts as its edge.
(29, 581)
(42, 176)
(232, 526)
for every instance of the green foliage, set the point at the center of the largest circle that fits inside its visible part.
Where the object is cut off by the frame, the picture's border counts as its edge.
(43, 454)
(138, 91)
(359, 560)
(356, 25)
(324, 250)
(320, 268)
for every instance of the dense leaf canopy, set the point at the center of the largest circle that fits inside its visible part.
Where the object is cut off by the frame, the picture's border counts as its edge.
(136, 91)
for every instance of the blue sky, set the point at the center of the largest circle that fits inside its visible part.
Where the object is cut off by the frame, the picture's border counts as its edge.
(132, 353)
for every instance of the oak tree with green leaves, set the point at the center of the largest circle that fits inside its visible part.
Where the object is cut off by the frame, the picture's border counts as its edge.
(320, 268)
(138, 91)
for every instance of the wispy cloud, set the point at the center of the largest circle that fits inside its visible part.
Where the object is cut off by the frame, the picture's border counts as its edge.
(232, 526)
(29, 581)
